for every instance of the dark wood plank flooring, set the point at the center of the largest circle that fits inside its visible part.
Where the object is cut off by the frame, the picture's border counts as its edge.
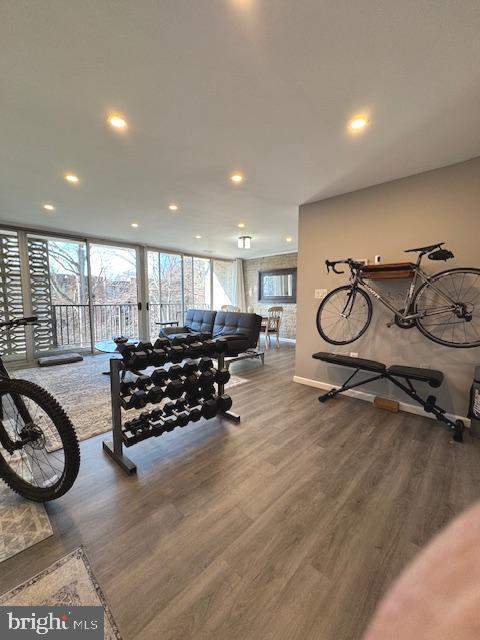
(289, 526)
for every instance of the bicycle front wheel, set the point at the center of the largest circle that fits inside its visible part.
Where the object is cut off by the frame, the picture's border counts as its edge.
(344, 315)
(450, 306)
(39, 452)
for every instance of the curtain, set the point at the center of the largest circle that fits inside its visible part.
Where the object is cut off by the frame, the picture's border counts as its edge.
(239, 285)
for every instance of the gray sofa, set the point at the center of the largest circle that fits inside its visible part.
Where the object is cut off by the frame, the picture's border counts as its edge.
(241, 330)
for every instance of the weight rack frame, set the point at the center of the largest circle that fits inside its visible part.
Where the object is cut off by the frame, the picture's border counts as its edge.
(114, 447)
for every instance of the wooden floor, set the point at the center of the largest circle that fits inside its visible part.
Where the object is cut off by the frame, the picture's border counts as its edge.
(288, 526)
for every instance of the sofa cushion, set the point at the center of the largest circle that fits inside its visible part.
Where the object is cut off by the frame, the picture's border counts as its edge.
(200, 320)
(245, 325)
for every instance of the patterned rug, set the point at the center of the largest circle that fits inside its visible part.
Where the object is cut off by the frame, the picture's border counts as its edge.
(22, 523)
(84, 392)
(68, 582)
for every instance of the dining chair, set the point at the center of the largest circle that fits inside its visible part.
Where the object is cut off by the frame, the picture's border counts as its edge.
(272, 325)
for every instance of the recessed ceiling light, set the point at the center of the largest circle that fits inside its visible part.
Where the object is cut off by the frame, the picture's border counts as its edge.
(71, 177)
(49, 207)
(117, 121)
(198, 237)
(288, 239)
(134, 225)
(358, 122)
(241, 225)
(236, 177)
(173, 207)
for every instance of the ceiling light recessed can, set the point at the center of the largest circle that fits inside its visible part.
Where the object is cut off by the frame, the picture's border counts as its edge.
(134, 225)
(241, 225)
(71, 177)
(358, 122)
(49, 207)
(236, 177)
(288, 239)
(117, 121)
(198, 237)
(173, 207)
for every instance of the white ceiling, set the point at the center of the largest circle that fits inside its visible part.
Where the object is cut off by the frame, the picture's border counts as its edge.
(212, 86)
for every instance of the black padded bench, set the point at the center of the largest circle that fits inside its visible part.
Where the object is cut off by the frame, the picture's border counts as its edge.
(400, 376)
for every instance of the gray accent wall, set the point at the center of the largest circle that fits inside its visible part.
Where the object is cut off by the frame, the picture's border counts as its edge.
(436, 206)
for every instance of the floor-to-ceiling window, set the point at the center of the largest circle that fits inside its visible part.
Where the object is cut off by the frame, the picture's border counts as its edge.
(114, 290)
(84, 292)
(197, 285)
(165, 288)
(223, 288)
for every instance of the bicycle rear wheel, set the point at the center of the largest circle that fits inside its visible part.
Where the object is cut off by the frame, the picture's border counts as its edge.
(457, 327)
(344, 315)
(39, 452)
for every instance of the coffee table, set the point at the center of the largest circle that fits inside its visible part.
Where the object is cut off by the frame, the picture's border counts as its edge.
(109, 346)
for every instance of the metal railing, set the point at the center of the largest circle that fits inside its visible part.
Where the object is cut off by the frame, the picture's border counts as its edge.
(71, 323)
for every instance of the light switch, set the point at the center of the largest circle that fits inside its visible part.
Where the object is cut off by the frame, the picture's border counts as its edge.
(320, 293)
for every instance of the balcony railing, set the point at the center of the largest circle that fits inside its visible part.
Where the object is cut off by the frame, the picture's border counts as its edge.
(71, 326)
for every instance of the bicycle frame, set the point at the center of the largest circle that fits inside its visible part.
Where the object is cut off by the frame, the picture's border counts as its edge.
(418, 275)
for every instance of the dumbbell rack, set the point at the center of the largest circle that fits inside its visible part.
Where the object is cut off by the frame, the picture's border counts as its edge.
(114, 447)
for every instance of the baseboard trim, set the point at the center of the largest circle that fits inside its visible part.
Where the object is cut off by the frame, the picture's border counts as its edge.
(368, 397)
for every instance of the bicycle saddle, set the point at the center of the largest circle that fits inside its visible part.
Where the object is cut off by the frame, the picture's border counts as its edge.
(427, 249)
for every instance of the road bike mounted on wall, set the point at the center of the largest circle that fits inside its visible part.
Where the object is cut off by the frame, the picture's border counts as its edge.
(39, 452)
(445, 307)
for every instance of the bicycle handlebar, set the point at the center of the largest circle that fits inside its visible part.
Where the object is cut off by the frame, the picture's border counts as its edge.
(18, 322)
(353, 264)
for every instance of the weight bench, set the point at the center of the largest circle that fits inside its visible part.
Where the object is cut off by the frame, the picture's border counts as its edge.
(400, 376)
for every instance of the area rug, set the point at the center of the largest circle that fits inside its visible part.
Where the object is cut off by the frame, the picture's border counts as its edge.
(84, 392)
(22, 523)
(68, 582)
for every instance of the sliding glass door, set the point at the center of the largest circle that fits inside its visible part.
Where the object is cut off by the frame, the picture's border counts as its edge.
(114, 291)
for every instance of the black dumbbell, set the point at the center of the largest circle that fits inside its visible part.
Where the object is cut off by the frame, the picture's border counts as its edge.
(126, 387)
(194, 413)
(194, 349)
(176, 353)
(205, 363)
(155, 394)
(191, 383)
(159, 377)
(190, 366)
(134, 425)
(161, 343)
(171, 409)
(209, 408)
(208, 347)
(175, 372)
(222, 376)
(224, 402)
(142, 382)
(207, 378)
(158, 357)
(174, 389)
(137, 400)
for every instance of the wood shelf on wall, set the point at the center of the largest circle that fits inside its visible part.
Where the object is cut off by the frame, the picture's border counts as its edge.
(388, 271)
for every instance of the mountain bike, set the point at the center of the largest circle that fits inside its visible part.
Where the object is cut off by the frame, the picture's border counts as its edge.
(39, 451)
(445, 307)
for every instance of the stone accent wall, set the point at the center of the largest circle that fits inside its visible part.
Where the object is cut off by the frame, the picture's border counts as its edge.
(250, 275)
